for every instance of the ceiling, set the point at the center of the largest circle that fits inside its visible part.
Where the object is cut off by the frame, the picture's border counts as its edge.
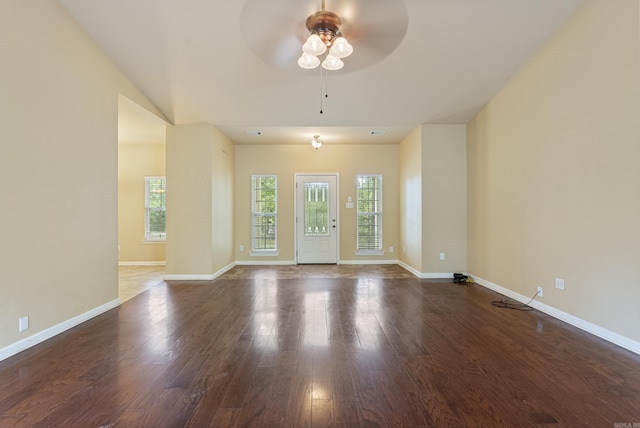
(199, 61)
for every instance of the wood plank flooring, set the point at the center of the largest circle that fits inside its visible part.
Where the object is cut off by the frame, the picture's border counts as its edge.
(371, 346)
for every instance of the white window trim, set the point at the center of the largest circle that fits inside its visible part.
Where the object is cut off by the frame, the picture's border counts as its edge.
(380, 251)
(263, 253)
(156, 238)
(369, 252)
(257, 252)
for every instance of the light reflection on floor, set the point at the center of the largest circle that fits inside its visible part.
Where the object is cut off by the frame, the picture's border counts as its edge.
(317, 271)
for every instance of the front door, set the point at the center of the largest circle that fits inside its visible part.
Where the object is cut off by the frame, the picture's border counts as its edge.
(316, 219)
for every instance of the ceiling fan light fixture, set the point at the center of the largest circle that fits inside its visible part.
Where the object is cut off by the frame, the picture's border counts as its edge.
(325, 37)
(308, 61)
(326, 42)
(341, 48)
(332, 63)
(314, 45)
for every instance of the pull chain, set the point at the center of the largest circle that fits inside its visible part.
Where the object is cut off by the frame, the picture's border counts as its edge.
(324, 84)
(321, 88)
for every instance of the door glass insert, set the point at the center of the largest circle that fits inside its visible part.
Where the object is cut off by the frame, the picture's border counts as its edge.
(316, 209)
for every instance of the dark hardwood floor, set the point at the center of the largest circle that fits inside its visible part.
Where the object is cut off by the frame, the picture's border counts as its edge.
(258, 347)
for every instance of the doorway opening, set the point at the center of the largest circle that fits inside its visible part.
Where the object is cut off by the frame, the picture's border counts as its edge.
(141, 155)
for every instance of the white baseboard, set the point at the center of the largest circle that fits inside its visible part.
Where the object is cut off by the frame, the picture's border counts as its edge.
(224, 269)
(180, 277)
(265, 263)
(206, 277)
(368, 262)
(292, 262)
(594, 329)
(43, 335)
(436, 275)
(411, 269)
(142, 263)
(426, 275)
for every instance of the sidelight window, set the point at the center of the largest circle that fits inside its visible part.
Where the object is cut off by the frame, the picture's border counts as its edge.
(369, 227)
(155, 206)
(264, 214)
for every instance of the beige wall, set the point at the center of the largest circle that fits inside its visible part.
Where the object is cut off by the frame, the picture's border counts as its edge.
(410, 201)
(286, 160)
(58, 169)
(553, 175)
(135, 162)
(444, 198)
(432, 168)
(223, 154)
(199, 200)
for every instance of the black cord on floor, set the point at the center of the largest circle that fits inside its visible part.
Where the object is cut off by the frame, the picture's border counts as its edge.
(512, 304)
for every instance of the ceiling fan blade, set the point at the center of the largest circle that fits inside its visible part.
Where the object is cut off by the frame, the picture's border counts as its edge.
(374, 38)
(275, 30)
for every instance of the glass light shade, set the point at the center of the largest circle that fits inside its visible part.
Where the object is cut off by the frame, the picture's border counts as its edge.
(332, 63)
(308, 61)
(314, 45)
(316, 143)
(341, 48)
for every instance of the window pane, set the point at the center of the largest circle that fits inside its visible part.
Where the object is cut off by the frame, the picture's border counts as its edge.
(264, 212)
(157, 221)
(155, 206)
(316, 209)
(368, 236)
(264, 232)
(369, 194)
(264, 195)
(369, 203)
(157, 192)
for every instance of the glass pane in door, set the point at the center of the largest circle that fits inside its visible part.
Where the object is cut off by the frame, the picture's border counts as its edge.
(316, 209)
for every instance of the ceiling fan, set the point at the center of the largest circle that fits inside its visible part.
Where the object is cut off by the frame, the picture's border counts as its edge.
(277, 30)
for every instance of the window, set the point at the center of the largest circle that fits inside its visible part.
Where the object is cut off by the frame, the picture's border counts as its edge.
(369, 233)
(264, 214)
(316, 209)
(155, 205)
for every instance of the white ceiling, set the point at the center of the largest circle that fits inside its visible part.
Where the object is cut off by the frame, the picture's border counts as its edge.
(190, 58)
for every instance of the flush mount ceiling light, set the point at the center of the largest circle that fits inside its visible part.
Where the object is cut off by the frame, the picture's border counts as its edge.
(316, 143)
(325, 41)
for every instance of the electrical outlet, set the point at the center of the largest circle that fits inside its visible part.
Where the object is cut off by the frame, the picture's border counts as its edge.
(391, 249)
(442, 256)
(560, 284)
(540, 291)
(241, 248)
(23, 323)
